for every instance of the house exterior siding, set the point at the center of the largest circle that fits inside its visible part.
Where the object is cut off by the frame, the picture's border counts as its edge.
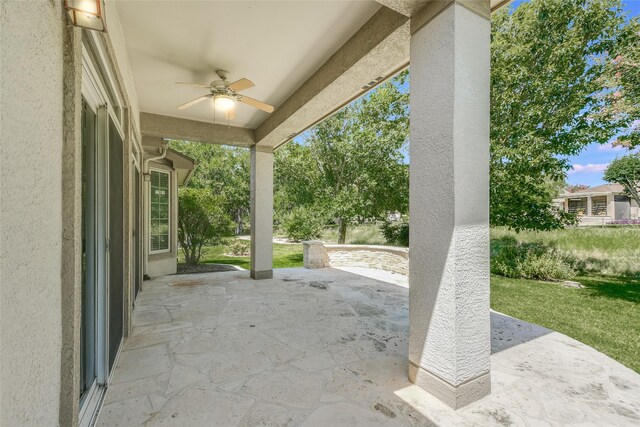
(40, 203)
(31, 118)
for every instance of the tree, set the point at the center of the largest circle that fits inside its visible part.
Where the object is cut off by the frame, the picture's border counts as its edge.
(351, 166)
(576, 187)
(626, 172)
(201, 221)
(564, 74)
(225, 172)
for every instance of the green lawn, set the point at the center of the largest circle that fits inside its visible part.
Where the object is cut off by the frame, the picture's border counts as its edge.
(605, 314)
(284, 255)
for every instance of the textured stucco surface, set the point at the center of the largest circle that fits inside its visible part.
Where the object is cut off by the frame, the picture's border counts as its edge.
(449, 274)
(261, 211)
(155, 125)
(31, 126)
(161, 266)
(72, 227)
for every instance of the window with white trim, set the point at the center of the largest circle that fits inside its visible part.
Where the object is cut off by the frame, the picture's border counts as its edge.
(159, 212)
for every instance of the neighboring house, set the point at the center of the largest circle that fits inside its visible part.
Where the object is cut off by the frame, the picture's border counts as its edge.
(162, 178)
(599, 205)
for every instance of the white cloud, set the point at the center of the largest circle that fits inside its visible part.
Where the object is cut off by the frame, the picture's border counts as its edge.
(610, 147)
(589, 168)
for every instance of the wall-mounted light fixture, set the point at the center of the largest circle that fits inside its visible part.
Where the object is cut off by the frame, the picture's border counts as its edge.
(86, 13)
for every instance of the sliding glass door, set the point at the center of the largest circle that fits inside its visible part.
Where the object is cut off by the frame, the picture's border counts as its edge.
(116, 242)
(93, 369)
(103, 227)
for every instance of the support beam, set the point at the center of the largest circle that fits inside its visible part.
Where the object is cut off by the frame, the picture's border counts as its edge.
(192, 130)
(414, 7)
(405, 7)
(449, 343)
(379, 49)
(261, 212)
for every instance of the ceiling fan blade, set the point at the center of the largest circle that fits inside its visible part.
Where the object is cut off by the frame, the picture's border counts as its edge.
(241, 84)
(192, 84)
(255, 103)
(193, 102)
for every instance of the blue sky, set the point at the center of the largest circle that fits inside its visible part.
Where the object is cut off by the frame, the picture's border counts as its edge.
(589, 165)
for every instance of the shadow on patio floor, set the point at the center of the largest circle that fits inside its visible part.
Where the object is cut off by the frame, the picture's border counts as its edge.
(329, 348)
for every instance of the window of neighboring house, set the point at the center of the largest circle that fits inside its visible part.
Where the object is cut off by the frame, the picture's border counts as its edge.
(578, 206)
(599, 206)
(159, 212)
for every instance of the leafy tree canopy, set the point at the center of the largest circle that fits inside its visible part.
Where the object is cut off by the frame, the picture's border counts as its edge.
(626, 172)
(350, 166)
(576, 187)
(225, 172)
(564, 74)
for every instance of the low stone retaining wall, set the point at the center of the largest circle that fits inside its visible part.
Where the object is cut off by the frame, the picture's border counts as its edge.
(317, 254)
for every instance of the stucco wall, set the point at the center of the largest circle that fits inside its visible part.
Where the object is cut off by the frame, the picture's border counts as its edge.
(162, 264)
(31, 126)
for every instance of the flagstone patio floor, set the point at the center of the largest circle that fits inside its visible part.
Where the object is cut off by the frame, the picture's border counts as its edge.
(328, 347)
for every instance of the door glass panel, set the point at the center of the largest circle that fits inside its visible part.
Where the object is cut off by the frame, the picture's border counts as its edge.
(88, 314)
(116, 242)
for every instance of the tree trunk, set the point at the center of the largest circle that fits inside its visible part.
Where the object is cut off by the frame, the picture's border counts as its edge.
(342, 232)
(239, 224)
(632, 189)
(190, 256)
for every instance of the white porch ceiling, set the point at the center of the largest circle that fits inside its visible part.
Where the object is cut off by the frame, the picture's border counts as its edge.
(277, 45)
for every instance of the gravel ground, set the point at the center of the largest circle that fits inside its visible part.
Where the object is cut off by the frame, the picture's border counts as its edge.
(205, 268)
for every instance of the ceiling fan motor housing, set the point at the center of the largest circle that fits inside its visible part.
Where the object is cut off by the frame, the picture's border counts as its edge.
(223, 74)
(219, 85)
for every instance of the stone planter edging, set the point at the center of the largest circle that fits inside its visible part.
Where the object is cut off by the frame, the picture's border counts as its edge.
(317, 254)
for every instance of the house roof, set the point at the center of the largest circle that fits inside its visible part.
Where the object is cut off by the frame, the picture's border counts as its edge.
(604, 188)
(183, 165)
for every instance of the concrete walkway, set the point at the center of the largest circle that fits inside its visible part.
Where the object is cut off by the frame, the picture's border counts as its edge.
(329, 348)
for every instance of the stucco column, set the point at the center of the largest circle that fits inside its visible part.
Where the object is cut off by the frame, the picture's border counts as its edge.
(261, 212)
(449, 343)
(589, 207)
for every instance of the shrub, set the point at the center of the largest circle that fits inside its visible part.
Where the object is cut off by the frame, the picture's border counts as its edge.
(302, 224)
(396, 232)
(513, 259)
(201, 221)
(239, 248)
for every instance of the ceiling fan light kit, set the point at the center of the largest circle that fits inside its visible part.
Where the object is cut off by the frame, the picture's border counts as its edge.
(224, 102)
(225, 95)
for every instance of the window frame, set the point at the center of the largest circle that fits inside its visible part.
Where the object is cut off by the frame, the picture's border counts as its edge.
(168, 173)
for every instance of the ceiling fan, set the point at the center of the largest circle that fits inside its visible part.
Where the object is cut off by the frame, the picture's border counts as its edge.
(225, 95)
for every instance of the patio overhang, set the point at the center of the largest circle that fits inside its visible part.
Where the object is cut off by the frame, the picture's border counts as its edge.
(159, 126)
(377, 51)
(309, 59)
(413, 7)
